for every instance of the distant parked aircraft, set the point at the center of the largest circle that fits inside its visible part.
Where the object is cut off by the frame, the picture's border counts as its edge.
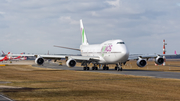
(19, 58)
(5, 58)
(8, 57)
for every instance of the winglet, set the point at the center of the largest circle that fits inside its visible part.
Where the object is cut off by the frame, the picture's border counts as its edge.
(83, 35)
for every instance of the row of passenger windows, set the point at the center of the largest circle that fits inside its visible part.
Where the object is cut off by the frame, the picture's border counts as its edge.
(120, 43)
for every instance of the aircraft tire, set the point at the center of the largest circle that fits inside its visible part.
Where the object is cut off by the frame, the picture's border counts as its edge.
(107, 68)
(92, 68)
(84, 68)
(104, 68)
(119, 69)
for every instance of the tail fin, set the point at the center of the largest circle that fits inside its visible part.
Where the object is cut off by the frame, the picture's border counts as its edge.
(3, 53)
(8, 54)
(84, 38)
(6, 57)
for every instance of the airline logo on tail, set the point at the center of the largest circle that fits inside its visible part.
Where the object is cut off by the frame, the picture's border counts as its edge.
(82, 31)
(84, 39)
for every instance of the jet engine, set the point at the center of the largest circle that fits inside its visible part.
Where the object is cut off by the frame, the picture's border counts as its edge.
(39, 60)
(159, 60)
(141, 62)
(71, 63)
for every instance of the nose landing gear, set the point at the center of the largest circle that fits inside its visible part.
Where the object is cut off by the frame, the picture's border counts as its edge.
(118, 67)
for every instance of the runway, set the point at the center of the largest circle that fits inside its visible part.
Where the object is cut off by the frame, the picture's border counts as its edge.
(155, 74)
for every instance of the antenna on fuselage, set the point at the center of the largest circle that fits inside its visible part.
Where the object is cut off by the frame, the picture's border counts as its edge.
(83, 35)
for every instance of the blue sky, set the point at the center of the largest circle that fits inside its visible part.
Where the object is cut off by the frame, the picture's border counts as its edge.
(34, 26)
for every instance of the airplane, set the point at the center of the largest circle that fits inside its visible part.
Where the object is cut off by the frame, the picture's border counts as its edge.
(9, 57)
(5, 58)
(19, 58)
(108, 52)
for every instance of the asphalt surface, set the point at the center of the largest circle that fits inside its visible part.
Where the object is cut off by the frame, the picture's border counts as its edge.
(155, 74)
(3, 98)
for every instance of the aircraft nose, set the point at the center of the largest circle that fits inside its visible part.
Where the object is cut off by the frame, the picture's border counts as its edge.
(125, 53)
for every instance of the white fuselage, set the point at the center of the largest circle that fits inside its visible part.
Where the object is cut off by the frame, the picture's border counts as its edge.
(1, 58)
(109, 52)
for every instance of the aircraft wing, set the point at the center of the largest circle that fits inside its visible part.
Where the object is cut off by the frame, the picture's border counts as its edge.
(79, 58)
(43, 56)
(21, 55)
(136, 57)
(51, 56)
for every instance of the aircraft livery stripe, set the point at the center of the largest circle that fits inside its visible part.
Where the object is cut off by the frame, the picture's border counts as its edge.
(83, 35)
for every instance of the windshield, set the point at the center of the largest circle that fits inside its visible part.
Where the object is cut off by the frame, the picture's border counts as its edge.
(120, 43)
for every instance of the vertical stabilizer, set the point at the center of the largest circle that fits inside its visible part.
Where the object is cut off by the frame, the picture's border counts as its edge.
(84, 38)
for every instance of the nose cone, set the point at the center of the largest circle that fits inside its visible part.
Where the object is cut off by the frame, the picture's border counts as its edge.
(125, 53)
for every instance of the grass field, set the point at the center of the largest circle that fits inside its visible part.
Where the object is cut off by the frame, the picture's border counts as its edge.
(39, 84)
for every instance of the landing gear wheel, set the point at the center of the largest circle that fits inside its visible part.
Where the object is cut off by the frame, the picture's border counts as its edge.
(104, 68)
(96, 68)
(119, 69)
(84, 68)
(107, 68)
(93, 68)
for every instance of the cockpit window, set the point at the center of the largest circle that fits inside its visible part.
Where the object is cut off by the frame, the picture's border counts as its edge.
(120, 43)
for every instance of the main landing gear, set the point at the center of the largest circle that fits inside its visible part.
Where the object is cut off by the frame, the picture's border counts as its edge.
(86, 68)
(118, 67)
(93, 68)
(105, 67)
